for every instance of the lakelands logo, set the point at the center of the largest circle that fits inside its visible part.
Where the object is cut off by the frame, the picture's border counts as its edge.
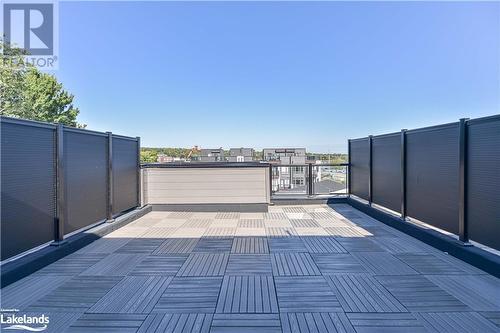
(12, 321)
(32, 26)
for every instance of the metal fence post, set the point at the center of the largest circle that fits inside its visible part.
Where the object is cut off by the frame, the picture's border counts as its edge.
(403, 174)
(311, 180)
(270, 180)
(463, 231)
(370, 173)
(349, 167)
(138, 171)
(60, 188)
(110, 178)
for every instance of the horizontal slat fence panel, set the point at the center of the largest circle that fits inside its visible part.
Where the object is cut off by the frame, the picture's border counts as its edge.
(28, 177)
(483, 181)
(386, 170)
(360, 168)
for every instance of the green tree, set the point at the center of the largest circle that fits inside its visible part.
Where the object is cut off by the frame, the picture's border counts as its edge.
(27, 93)
(148, 156)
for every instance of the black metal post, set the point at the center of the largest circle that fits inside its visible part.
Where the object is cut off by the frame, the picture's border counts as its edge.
(403, 174)
(349, 167)
(60, 188)
(370, 173)
(138, 171)
(463, 231)
(270, 180)
(110, 178)
(311, 180)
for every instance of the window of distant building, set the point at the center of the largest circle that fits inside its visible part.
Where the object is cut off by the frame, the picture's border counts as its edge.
(240, 158)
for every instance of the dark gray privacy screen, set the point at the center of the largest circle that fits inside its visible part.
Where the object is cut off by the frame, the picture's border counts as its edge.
(28, 186)
(432, 176)
(124, 174)
(360, 159)
(386, 171)
(86, 178)
(483, 182)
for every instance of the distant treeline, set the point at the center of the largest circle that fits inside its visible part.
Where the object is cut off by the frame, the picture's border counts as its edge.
(150, 154)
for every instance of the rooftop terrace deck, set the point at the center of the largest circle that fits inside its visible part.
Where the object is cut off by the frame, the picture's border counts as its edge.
(310, 268)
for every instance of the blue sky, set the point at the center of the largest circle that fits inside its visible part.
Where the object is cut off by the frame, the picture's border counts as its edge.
(267, 74)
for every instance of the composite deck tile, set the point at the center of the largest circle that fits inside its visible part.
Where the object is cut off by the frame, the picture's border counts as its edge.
(247, 294)
(177, 323)
(457, 322)
(381, 231)
(311, 232)
(287, 244)
(214, 245)
(305, 294)
(177, 245)
(249, 264)
(133, 294)
(281, 232)
(204, 264)
(322, 215)
(227, 216)
(316, 322)
(396, 245)
(58, 321)
(418, 294)
(197, 223)
(169, 223)
(322, 244)
(277, 224)
(258, 323)
(104, 245)
(332, 263)
(362, 293)
(457, 263)
(219, 232)
(141, 245)
(115, 264)
(479, 292)
(293, 264)
(99, 322)
(24, 292)
(304, 223)
(343, 231)
(162, 264)
(180, 215)
(493, 316)
(251, 223)
(385, 322)
(275, 216)
(294, 209)
(250, 232)
(359, 244)
(190, 295)
(256, 245)
(73, 264)
(381, 263)
(76, 295)
(157, 233)
(251, 216)
(428, 264)
(188, 233)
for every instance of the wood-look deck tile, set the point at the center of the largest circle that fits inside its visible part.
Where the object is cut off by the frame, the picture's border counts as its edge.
(190, 295)
(169, 223)
(177, 323)
(188, 233)
(397, 245)
(322, 215)
(362, 293)
(250, 232)
(245, 323)
(428, 264)
(227, 216)
(177, 245)
(224, 223)
(479, 292)
(104, 246)
(304, 223)
(204, 264)
(115, 264)
(247, 294)
(418, 294)
(133, 294)
(458, 322)
(359, 244)
(165, 265)
(255, 245)
(316, 322)
(197, 223)
(214, 245)
(275, 216)
(114, 323)
(351, 232)
(249, 264)
(281, 232)
(385, 322)
(322, 244)
(381, 263)
(293, 264)
(141, 245)
(294, 209)
(180, 215)
(157, 233)
(251, 216)
(73, 264)
(219, 233)
(287, 244)
(305, 294)
(277, 224)
(76, 295)
(332, 263)
(251, 223)
(493, 316)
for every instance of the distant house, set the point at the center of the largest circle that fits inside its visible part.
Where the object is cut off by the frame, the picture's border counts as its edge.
(287, 178)
(284, 155)
(241, 155)
(212, 155)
